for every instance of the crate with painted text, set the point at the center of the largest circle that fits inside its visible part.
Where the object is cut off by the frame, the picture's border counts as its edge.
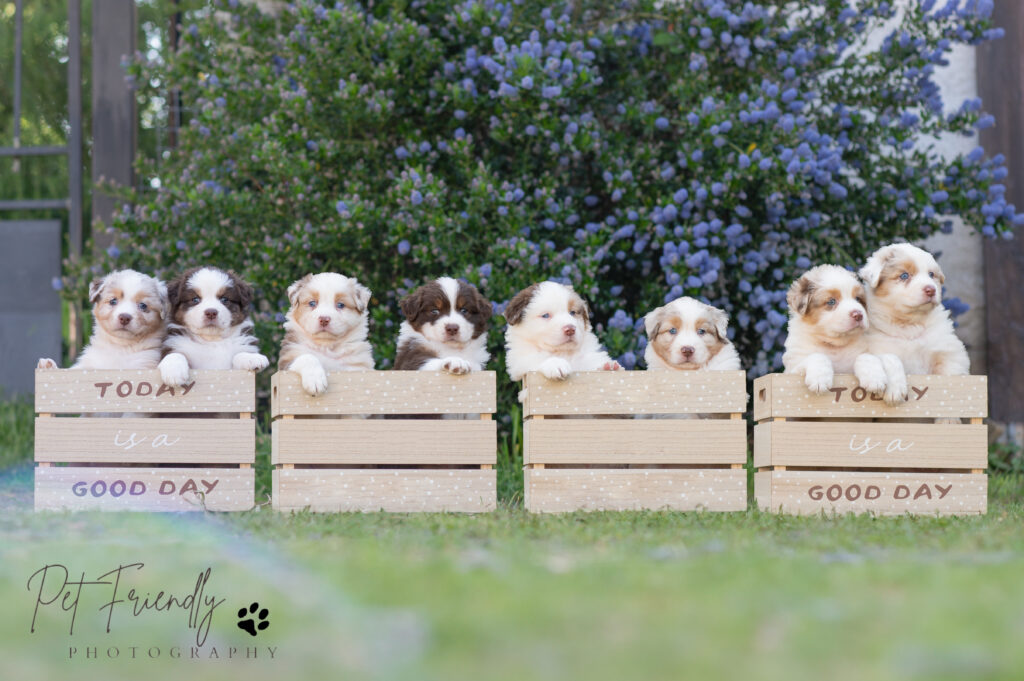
(385, 441)
(627, 440)
(136, 444)
(847, 451)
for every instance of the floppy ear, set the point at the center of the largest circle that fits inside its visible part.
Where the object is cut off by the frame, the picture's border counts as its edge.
(412, 304)
(871, 273)
(362, 296)
(95, 289)
(293, 290)
(721, 321)
(483, 306)
(586, 315)
(939, 276)
(652, 322)
(517, 306)
(176, 288)
(245, 291)
(798, 298)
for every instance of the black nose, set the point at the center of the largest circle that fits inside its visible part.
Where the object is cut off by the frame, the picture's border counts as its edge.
(125, 319)
(210, 313)
(451, 329)
(687, 351)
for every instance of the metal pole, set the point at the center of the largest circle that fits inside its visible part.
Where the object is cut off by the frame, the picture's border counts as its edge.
(74, 156)
(16, 166)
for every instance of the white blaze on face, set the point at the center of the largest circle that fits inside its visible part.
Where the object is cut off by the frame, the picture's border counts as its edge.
(449, 326)
(206, 301)
(328, 304)
(128, 303)
(686, 333)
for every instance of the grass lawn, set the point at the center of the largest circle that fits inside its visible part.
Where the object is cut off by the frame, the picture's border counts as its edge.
(513, 596)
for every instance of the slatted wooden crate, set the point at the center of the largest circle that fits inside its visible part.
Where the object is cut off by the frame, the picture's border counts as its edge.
(849, 452)
(614, 460)
(106, 461)
(394, 451)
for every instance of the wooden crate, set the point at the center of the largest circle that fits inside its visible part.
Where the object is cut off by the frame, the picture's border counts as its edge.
(169, 459)
(380, 441)
(623, 456)
(849, 452)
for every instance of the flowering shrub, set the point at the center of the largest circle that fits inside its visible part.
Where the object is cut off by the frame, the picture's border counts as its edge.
(638, 150)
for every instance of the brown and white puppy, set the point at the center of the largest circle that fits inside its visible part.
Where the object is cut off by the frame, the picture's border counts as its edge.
(904, 293)
(325, 329)
(827, 325)
(689, 335)
(129, 311)
(210, 326)
(445, 328)
(549, 331)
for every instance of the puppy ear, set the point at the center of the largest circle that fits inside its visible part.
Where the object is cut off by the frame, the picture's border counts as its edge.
(411, 304)
(871, 273)
(517, 306)
(95, 289)
(245, 291)
(483, 306)
(293, 290)
(176, 289)
(586, 315)
(362, 296)
(652, 322)
(939, 276)
(720, 318)
(798, 298)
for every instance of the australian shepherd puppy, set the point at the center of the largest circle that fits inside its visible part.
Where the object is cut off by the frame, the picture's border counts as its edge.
(210, 326)
(445, 328)
(129, 311)
(904, 294)
(549, 331)
(827, 334)
(689, 335)
(325, 329)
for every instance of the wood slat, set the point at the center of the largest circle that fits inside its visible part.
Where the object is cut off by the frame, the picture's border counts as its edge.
(870, 445)
(893, 493)
(786, 395)
(358, 441)
(145, 489)
(562, 490)
(72, 391)
(387, 392)
(119, 440)
(658, 441)
(636, 392)
(391, 490)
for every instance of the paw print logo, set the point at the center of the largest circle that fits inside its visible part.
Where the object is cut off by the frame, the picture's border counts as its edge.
(255, 621)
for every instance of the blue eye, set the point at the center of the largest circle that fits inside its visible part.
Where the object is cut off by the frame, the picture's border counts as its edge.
(904, 276)
(931, 274)
(311, 304)
(143, 307)
(572, 312)
(546, 315)
(113, 301)
(831, 302)
(341, 306)
(673, 331)
(701, 332)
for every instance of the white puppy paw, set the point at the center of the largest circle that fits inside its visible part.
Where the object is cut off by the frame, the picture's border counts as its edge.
(174, 370)
(556, 368)
(46, 363)
(819, 378)
(611, 366)
(896, 390)
(456, 365)
(314, 380)
(251, 361)
(870, 374)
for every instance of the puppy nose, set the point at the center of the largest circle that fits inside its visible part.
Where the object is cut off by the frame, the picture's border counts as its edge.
(125, 319)
(687, 351)
(569, 330)
(325, 321)
(210, 313)
(451, 329)
(857, 315)
(929, 291)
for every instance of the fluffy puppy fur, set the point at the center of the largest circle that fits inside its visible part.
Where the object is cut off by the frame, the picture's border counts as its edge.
(549, 331)
(689, 335)
(827, 325)
(325, 329)
(129, 311)
(904, 293)
(445, 328)
(210, 326)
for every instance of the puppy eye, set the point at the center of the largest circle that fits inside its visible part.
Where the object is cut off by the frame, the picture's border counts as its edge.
(341, 306)
(463, 310)
(546, 315)
(195, 301)
(434, 313)
(113, 301)
(904, 276)
(143, 307)
(931, 274)
(701, 332)
(224, 299)
(831, 302)
(311, 304)
(572, 312)
(673, 331)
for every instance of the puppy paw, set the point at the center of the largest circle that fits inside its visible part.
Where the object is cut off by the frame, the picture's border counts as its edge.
(456, 365)
(896, 391)
(314, 380)
(556, 368)
(46, 363)
(611, 366)
(174, 370)
(819, 379)
(871, 376)
(250, 361)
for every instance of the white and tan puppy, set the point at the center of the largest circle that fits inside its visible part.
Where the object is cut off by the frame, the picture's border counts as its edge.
(904, 293)
(689, 335)
(549, 331)
(827, 334)
(210, 326)
(325, 329)
(129, 311)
